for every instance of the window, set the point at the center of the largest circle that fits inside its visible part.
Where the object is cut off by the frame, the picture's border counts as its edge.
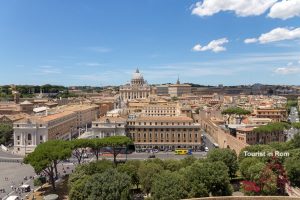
(41, 137)
(29, 136)
(18, 137)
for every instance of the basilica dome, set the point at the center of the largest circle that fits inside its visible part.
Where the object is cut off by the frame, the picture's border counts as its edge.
(137, 75)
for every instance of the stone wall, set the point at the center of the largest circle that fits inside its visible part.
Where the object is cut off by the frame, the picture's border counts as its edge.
(223, 138)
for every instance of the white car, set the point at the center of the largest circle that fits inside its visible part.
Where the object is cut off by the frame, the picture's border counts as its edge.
(206, 149)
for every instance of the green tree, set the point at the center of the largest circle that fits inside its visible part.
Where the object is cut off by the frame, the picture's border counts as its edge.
(78, 147)
(246, 164)
(116, 143)
(89, 170)
(6, 132)
(296, 141)
(187, 161)
(131, 168)
(172, 165)
(46, 156)
(146, 173)
(109, 185)
(213, 175)
(169, 186)
(96, 144)
(292, 166)
(239, 112)
(75, 192)
(227, 156)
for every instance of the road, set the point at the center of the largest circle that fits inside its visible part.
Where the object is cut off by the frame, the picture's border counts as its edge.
(293, 116)
(207, 140)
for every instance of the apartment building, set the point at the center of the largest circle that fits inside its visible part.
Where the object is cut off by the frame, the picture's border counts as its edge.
(276, 115)
(247, 135)
(33, 130)
(161, 110)
(164, 132)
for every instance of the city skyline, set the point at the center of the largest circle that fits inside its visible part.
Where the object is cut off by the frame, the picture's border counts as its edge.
(101, 43)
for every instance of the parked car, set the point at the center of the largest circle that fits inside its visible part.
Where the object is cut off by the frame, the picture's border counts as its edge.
(151, 156)
(206, 149)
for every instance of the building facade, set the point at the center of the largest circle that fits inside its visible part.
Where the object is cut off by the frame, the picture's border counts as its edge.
(165, 132)
(247, 135)
(276, 115)
(177, 90)
(137, 89)
(109, 126)
(31, 131)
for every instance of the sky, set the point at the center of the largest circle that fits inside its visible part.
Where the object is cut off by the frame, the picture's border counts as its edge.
(98, 42)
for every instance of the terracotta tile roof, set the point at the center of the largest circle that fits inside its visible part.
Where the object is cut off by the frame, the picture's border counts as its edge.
(56, 116)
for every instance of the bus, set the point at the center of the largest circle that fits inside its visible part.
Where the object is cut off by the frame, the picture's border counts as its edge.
(183, 151)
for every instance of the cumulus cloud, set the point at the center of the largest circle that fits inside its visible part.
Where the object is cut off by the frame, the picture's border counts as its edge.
(241, 8)
(214, 45)
(285, 9)
(277, 34)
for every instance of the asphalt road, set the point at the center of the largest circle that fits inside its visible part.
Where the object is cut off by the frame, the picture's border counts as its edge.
(207, 140)
(293, 116)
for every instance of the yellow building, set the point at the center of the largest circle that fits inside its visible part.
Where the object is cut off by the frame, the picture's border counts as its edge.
(164, 132)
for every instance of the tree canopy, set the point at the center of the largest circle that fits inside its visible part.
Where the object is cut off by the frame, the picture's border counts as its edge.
(227, 156)
(169, 186)
(109, 185)
(272, 127)
(46, 156)
(6, 132)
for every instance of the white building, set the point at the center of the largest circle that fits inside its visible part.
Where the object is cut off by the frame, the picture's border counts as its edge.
(31, 131)
(109, 126)
(137, 89)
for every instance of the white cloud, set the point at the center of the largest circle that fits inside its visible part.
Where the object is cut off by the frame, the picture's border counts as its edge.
(90, 64)
(250, 40)
(48, 69)
(277, 34)
(214, 45)
(285, 9)
(239, 7)
(287, 70)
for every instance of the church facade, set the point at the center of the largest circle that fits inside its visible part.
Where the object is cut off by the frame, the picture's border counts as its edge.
(138, 88)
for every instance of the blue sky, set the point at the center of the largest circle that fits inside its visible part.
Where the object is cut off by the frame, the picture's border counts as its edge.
(100, 43)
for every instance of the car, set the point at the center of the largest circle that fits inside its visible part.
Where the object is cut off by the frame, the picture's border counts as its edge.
(155, 150)
(206, 149)
(151, 156)
(13, 198)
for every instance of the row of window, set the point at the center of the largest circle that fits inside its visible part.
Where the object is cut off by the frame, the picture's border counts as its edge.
(150, 135)
(157, 123)
(162, 129)
(29, 137)
(173, 141)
